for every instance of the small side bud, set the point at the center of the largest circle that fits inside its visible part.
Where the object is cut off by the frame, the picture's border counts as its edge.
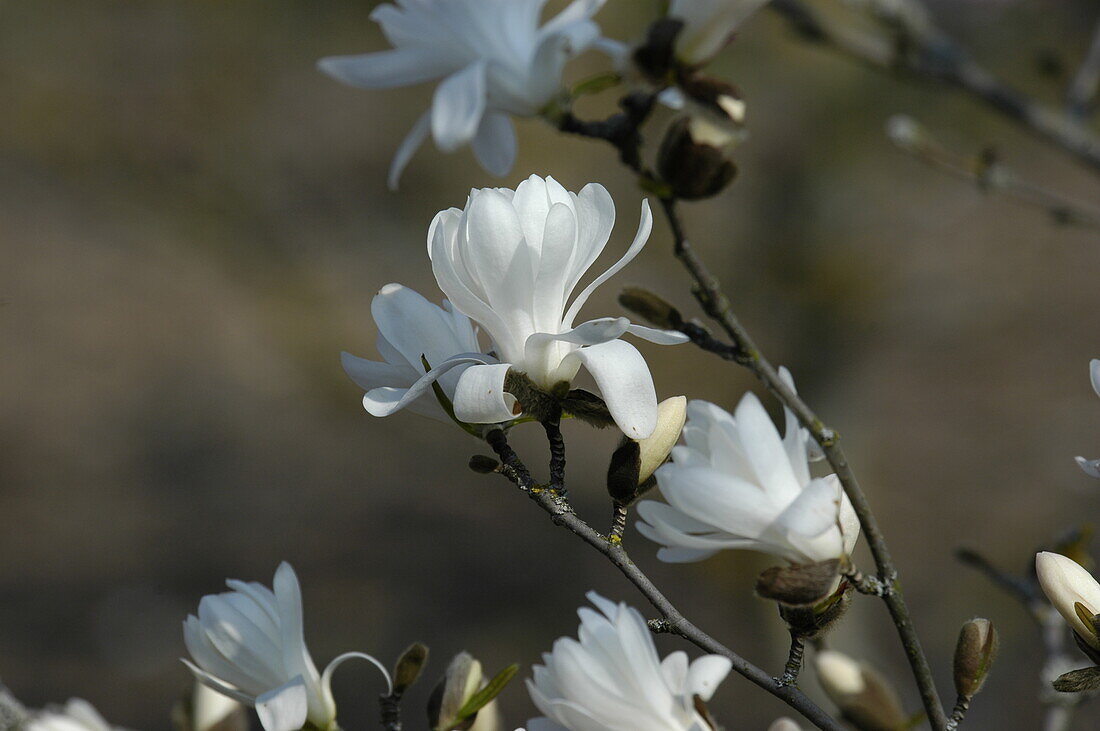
(974, 655)
(865, 699)
(483, 465)
(693, 158)
(1078, 681)
(630, 473)
(651, 308)
(409, 666)
(784, 724)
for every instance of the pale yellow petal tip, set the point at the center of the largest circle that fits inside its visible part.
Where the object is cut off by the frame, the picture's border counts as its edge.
(839, 674)
(654, 449)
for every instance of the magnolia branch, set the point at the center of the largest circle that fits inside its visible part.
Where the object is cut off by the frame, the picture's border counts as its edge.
(745, 352)
(672, 621)
(923, 52)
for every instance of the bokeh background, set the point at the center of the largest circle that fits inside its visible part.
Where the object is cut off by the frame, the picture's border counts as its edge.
(193, 222)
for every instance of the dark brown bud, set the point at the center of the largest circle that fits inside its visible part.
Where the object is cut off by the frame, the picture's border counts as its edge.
(799, 584)
(1078, 681)
(651, 308)
(974, 655)
(409, 666)
(692, 159)
(622, 472)
(483, 465)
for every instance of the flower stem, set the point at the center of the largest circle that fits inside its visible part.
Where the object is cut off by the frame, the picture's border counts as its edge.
(672, 620)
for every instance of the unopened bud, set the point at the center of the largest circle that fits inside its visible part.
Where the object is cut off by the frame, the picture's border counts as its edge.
(974, 655)
(865, 699)
(483, 465)
(1074, 593)
(409, 666)
(651, 308)
(693, 158)
(448, 708)
(784, 724)
(634, 462)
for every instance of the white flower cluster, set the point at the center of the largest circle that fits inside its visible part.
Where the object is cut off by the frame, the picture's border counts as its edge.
(509, 263)
(496, 60)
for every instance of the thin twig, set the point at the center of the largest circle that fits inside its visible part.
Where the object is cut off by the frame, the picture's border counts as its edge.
(794, 660)
(926, 53)
(674, 621)
(958, 713)
(716, 305)
(389, 710)
(1082, 90)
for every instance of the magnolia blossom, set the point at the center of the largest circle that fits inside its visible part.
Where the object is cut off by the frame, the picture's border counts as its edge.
(249, 644)
(737, 484)
(708, 26)
(1067, 584)
(611, 678)
(412, 330)
(77, 715)
(511, 261)
(493, 57)
(1092, 466)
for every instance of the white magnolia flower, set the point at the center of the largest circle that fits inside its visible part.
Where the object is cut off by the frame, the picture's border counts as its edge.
(1092, 466)
(249, 644)
(737, 484)
(77, 715)
(1066, 584)
(708, 26)
(493, 57)
(611, 678)
(511, 261)
(411, 330)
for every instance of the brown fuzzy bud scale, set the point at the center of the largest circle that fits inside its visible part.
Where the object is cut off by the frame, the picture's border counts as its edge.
(974, 655)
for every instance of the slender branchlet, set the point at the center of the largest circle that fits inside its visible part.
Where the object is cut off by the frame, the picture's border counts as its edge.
(672, 621)
(794, 660)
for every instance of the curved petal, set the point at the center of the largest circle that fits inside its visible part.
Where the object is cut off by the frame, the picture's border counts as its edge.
(625, 384)
(408, 147)
(1090, 466)
(541, 348)
(706, 673)
(217, 684)
(368, 374)
(1094, 374)
(326, 676)
(285, 708)
(386, 401)
(457, 107)
(495, 143)
(296, 658)
(645, 226)
(658, 336)
(480, 397)
(387, 69)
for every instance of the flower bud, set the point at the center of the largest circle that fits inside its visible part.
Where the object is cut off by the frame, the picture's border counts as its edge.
(651, 308)
(974, 655)
(1069, 586)
(693, 158)
(784, 724)
(634, 462)
(865, 699)
(409, 665)
(811, 621)
(461, 682)
(799, 584)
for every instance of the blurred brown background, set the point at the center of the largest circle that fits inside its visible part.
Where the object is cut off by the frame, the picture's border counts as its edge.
(193, 222)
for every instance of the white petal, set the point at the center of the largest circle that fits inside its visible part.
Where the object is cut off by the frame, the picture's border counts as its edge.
(1090, 466)
(326, 676)
(764, 450)
(813, 512)
(285, 708)
(457, 107)
(368, 374)
(543, 357)
(706, 673)
(386, 401)
(645, 226)
(408, 147)
(388, 69)
(217, 684)
(1094, 374)
(296, 658)
(1065, 582)
(480, 397)
(625, 384)
(655, 335)
(495, 143)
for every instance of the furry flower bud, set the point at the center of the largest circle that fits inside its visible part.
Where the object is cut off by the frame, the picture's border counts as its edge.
(974, 655)
(865, 699)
